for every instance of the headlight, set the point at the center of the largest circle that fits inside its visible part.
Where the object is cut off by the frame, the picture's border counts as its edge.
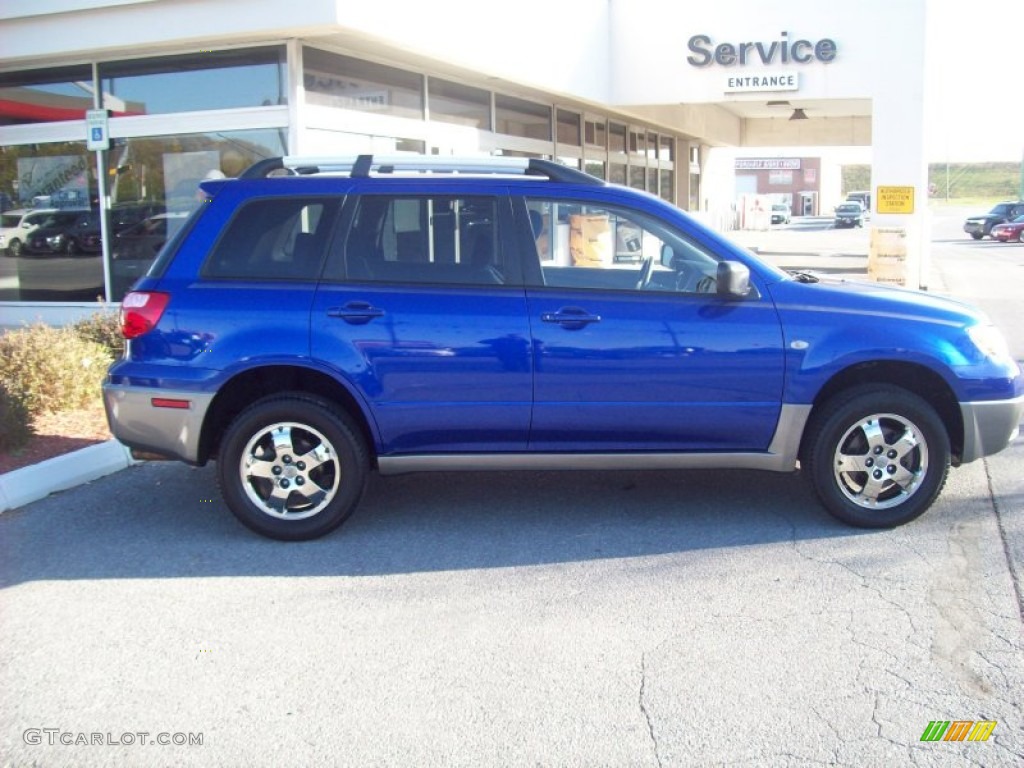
(55, 241)
(991, 343)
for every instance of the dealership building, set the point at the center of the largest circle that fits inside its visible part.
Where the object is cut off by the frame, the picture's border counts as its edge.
(114, 110)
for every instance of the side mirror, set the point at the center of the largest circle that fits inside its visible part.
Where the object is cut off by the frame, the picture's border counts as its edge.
(733, 279)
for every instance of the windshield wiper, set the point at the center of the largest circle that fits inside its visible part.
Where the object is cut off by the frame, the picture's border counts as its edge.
(803, 277)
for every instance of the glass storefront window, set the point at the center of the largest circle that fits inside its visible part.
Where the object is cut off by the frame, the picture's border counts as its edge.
(45, 96)
(568, 128)
(459, 104)
(251, 77)
(333, 80)
(637, 177)
(652, 147)
(51, 239)
(616, 138)
(637, 143)
(153, 184)
(666, 149)
(667, 185)
(594, 168)
(518, 117)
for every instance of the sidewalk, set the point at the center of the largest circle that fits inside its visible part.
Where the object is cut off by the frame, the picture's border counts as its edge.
(23, 486)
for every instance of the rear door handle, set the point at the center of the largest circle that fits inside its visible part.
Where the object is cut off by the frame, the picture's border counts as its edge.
(572, 318)
(356, 312)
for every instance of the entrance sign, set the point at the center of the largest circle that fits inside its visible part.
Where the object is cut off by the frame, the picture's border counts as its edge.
(895, 199)
(765, 81)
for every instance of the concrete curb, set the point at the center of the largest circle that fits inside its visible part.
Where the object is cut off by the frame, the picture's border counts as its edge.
(37, 481)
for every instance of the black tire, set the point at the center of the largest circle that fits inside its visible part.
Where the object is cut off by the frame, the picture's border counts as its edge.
(977, 235)
(877, 456)
(274, 490)
(14, 248)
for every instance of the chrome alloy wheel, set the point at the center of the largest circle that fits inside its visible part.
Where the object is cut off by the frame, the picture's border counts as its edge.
(881, 461)
(290, 471)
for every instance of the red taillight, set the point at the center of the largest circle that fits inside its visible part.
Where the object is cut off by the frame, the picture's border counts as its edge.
(141, 311)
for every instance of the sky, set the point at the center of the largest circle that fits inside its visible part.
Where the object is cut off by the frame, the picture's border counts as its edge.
(975, 59)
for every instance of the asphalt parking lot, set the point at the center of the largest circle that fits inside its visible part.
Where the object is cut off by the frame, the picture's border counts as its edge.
(633, 618)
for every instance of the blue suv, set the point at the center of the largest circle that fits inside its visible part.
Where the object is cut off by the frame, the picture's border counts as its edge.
(321, 318)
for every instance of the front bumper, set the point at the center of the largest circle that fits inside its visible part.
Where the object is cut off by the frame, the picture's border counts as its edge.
(990, 426)
(138, 419)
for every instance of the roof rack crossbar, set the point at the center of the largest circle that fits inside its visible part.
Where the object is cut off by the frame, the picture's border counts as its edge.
(363, 165)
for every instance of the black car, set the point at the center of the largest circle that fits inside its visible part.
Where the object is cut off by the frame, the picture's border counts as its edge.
(849, 215)
(135, 248)
(68, 233)
(981, 226)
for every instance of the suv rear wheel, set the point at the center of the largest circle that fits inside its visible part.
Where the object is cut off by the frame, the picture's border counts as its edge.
(878, 456)
(291, 467)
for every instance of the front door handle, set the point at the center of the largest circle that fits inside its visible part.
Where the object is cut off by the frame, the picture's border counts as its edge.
(356, 312)
(572, 318)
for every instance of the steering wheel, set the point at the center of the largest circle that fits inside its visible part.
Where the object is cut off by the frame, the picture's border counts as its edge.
(707, 284)
(645, 273)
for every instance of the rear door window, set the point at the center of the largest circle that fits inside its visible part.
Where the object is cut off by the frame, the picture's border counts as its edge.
(439, 239)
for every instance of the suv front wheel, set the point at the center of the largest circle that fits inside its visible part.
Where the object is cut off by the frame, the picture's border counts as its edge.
(290, 467)
(878, 456)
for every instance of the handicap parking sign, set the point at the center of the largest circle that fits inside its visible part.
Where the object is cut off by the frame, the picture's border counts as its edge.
(97, 134)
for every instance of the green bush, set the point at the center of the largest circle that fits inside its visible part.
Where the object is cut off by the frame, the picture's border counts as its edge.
(103, 328)
(52, 369)
(15, 422)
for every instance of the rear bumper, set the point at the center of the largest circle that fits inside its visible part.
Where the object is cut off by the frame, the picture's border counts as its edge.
(990, 426)
(153, 428)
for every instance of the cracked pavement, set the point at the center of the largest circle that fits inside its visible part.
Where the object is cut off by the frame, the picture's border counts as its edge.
(613, 619)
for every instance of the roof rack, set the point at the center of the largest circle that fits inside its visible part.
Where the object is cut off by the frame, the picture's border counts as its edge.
(361, 166)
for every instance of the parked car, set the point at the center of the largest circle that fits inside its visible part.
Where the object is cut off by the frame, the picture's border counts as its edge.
(780, 213)
(849, 215)
(17, 225)
(68, 233)
(304, 330)
(1010, 231)
(981, 226)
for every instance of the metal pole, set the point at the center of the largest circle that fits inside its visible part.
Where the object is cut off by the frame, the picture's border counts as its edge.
(1021, 191)
(101, 184)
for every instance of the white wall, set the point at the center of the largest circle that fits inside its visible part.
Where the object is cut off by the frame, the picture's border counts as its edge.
(559, 46)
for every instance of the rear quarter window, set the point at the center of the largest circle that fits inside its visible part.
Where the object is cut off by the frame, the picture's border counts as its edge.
(281, 238)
